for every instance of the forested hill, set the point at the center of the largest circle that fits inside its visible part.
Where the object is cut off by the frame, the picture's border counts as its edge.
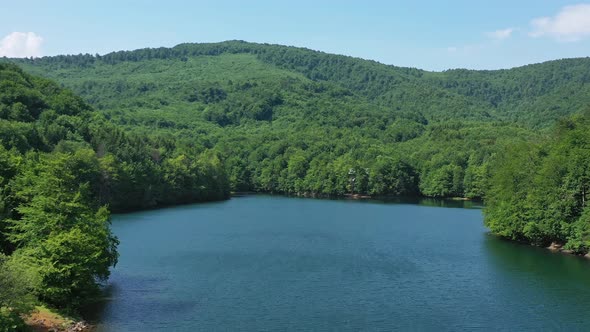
(534, 94)
(293, 120)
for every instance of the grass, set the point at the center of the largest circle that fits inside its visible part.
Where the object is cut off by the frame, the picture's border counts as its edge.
(45, 319)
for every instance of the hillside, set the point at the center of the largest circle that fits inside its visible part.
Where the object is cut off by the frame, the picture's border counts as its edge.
(293, 120)
(535, 94)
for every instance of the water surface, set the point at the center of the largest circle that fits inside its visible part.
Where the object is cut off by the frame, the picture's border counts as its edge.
(264, 263)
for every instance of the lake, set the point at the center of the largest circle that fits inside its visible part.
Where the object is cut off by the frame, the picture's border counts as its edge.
(268, 263)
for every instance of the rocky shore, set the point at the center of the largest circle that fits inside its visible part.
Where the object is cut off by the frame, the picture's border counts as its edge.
(558, 247)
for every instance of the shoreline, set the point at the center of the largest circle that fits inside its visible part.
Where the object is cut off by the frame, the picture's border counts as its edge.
(554, 247)
(43, 319)
(558, 248)
(352, 196)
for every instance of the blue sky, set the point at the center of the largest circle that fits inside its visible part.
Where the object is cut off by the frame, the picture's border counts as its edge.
(433, 35)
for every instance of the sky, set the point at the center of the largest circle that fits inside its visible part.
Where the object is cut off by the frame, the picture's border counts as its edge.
(431, 35)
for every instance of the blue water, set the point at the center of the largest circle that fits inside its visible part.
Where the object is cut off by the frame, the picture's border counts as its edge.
(264, 263)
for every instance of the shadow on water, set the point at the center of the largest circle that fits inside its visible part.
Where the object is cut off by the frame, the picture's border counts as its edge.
(548, 289)
(136, 215)
(433, 202)
(457, 203)
(545, 265)
(146, 295)
(93, 312)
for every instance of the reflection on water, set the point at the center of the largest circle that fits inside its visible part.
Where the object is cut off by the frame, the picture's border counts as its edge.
(528, 260)
(549, 287)
(436, 202)
(416, 200)
(94, 311)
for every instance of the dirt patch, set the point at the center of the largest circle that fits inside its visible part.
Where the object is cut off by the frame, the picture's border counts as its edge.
(45, 320)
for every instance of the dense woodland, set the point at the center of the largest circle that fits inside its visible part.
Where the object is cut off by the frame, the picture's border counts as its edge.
(157, 127)
(63, 169)
(539, 192)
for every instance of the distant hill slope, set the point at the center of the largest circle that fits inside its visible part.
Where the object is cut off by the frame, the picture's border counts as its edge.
(535, 95)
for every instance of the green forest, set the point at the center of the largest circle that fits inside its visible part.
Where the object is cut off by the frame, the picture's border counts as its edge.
(82, 136)
(538, 192)
(64, 168)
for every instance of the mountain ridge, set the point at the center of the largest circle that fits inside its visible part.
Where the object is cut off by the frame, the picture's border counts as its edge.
(97, 55)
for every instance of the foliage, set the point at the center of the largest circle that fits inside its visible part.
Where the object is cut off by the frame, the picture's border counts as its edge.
(539, 193)
(16, 293)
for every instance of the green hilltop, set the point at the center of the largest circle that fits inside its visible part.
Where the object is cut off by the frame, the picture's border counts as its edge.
(533, 95)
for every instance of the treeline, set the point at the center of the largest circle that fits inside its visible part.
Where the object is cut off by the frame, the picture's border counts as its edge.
(539, 192)
(446, 160)
(63, 168)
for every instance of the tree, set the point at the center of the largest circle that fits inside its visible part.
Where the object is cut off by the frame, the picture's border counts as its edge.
(17, 284)
(61, 226)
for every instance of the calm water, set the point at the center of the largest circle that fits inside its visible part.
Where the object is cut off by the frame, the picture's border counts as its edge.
(263, 263)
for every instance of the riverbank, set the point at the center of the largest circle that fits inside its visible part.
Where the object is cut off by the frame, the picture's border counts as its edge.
(558, 247)
(47, 320)
(307, 194)
(453, 202)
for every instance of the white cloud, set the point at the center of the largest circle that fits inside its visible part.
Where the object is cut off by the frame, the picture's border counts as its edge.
(572, 23)
(501, 34)
(21, 44)
(468, 49)
(472, 49)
